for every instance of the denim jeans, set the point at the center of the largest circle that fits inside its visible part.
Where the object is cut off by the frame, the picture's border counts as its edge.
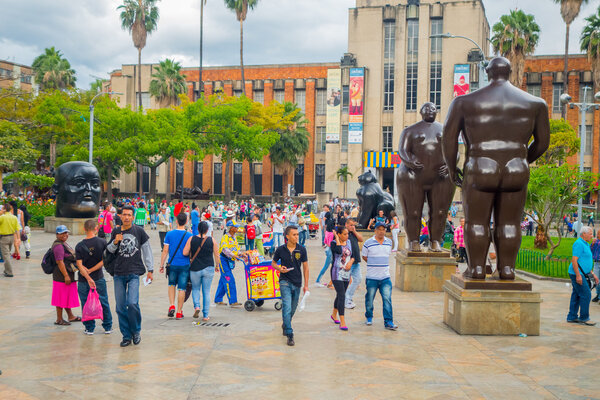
(127, 296)
(385, 289)
(202, 280)
(597, 273)
(302, 237)
(277, 239)
(290, 294)
(580, 300)
(355, 274)
(83, 288)
(249, 244)
(328, 257)
(179, 275)
(395, 233)
(322, 236)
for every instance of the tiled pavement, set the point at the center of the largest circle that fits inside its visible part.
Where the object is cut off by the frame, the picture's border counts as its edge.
(424, 359)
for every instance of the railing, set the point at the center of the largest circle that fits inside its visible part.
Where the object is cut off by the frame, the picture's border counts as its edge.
(535, 262)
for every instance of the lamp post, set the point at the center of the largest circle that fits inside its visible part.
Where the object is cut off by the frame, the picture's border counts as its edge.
(483, 81)
(91, 148)
(584, 107)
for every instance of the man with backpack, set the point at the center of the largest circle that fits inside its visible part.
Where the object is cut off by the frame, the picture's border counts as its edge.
(250, 229)
(88, 254)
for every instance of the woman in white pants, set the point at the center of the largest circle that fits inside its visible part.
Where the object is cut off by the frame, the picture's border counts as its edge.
(395, 227)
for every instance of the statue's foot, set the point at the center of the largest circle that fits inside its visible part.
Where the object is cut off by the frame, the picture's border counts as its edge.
(435, 246)
(506, 272)
(415, 246)
(475, 273)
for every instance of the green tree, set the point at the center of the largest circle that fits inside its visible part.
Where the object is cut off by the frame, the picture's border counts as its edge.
(14, 148)
(569, 10)
(515, 36)
(140, 18)
(342, 174)
(52, 70)
(563, 143)
(168, 82)
(590, 43)
(240, 7)
(551, 190)
(96, 86)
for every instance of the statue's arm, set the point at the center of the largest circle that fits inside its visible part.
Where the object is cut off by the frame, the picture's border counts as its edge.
(452, 128)
(541, 135)
(408, 159)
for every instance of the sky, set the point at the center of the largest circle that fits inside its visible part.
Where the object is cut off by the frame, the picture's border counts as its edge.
(89, 35)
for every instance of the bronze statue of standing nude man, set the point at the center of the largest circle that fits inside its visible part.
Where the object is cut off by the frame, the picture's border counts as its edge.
(497, 123)
(424, 174)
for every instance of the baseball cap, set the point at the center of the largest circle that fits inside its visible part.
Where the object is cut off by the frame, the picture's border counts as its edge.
(61, 229)
(379, 223)
(230, 214)
(231, 224)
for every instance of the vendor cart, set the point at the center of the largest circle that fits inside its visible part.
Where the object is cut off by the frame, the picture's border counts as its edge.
(262, 283)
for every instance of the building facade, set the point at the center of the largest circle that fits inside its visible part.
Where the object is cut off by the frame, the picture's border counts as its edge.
(18, 76)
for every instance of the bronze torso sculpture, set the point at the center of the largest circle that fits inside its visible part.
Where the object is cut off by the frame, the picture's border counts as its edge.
(497, 122)
(423, 174)
(77, 189)
(371, 199)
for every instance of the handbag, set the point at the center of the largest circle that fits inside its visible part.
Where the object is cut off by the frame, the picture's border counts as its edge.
(175, 252)
(588, 277)
(23, 236)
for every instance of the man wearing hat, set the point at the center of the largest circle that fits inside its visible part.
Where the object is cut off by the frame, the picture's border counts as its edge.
(229, 251)
(9, 228)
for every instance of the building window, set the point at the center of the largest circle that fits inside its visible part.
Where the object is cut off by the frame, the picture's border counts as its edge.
(345, 99)
(237, 93)
(388, 138)
(300, 99)
(412, 64)
(589, 95)
(299, 179)
(557, 90)
(279, 96)
(321, 101)
(258, 172)
(5, 72)
(589, 139)
(198, 174)
(26, 78)
(237, 177)
(218, 176)
(145, 100)
(319, 177)
(320, 139)
(277, 180)
(435, 68)
(389, 54)
(344, 141)
(259, 97)
(534, 90)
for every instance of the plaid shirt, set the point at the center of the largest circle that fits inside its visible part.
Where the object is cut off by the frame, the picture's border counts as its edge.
(459, 236)
(596, 250)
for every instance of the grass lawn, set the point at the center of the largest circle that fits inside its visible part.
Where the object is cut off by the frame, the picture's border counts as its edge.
(562, 251)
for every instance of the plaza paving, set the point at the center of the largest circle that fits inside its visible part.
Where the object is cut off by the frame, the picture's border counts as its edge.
(424, 359)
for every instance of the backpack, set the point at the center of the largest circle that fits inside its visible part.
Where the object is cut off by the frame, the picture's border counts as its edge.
(48, 261)
(251, 231)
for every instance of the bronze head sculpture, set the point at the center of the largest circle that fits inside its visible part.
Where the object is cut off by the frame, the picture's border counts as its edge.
(77, 189)
(423, 175)
(371, 199)
(497, 122)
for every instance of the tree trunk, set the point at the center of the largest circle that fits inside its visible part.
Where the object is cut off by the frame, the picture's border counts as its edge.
(168, 191)
(52, 152)
(227, 180)
(541, 239)
(153, 182)
(563, 108)
(242, 56)
(109, 174)
(252, 188)
(140, 78)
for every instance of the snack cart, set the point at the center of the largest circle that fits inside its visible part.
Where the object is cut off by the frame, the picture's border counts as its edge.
(262, 283)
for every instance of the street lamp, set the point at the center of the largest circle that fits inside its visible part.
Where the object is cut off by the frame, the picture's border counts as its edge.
(91, 150)
(584, 107)
(483, 81)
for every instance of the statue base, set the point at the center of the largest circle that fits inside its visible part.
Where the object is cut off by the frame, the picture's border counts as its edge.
(74, 225)
(491, 307)
(423, 271)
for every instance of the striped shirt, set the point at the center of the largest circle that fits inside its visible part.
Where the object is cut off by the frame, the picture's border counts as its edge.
(378, 258)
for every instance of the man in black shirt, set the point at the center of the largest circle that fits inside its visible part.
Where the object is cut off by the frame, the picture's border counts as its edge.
(88, 253)
(291, 256)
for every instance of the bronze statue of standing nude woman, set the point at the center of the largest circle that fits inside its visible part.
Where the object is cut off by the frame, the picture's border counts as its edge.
(497, 122)
(424, 174)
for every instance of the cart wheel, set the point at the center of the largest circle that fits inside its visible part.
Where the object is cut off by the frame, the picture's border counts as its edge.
(249, 305)
(278, 305)
(259, 303)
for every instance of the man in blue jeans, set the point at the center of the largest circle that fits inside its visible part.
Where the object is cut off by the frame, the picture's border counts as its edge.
(582, 263)
(290, 257)
(133, 256)
(376, 252)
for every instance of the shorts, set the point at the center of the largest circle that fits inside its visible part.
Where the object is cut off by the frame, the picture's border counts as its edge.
(179, 276)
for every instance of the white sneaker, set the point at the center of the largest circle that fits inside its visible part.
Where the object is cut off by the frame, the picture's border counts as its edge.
(88, 332)
(350, 304)
(108, 332)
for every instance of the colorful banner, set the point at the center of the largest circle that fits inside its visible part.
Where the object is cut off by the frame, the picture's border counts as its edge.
(462, 81)
(381, 159)
(262, 281)
(355, 111)
(334, 105)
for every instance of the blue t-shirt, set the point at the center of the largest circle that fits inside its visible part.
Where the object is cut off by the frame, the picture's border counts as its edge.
(581, 249)
(172, 239)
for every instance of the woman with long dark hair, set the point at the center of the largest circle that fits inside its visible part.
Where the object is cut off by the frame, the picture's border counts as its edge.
(329, 236)
(25, 217)
(341, 248)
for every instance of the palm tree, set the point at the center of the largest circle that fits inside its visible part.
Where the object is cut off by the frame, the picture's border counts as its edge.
(241, 10)
(515, 36)
(590, 43)
(140, 18)
(53, 71)
(569, 10)
(168, 82)
(342, 174)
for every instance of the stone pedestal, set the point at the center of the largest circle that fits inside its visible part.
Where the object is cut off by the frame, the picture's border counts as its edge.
(423, 271)
(75, 225)
(491, 307)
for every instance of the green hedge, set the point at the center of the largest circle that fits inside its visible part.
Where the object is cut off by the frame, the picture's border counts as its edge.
(39, 211)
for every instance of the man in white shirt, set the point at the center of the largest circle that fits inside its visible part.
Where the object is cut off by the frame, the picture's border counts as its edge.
(278, 222)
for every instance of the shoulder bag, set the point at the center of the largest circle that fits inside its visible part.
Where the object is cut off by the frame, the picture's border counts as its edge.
(588, 277)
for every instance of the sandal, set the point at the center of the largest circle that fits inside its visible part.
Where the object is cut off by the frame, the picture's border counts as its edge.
(62, 322)
(77, 319)
(206, 319)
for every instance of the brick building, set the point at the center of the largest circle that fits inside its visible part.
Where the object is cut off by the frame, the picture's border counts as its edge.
(17, 76)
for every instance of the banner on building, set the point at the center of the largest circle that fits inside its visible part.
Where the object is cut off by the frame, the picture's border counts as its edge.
(381, 159)
(334, 105)
(462, 81)
(355, 110)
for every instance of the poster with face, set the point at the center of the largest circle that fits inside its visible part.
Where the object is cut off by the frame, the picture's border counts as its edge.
(356, 106)
(462, 79)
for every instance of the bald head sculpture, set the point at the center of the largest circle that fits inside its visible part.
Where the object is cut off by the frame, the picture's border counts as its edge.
(77, 189)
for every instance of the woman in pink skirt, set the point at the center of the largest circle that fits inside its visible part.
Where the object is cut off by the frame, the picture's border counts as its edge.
(64, 287)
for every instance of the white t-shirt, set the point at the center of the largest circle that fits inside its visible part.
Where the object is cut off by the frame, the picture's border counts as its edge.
(277, 225)
(210, 228)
